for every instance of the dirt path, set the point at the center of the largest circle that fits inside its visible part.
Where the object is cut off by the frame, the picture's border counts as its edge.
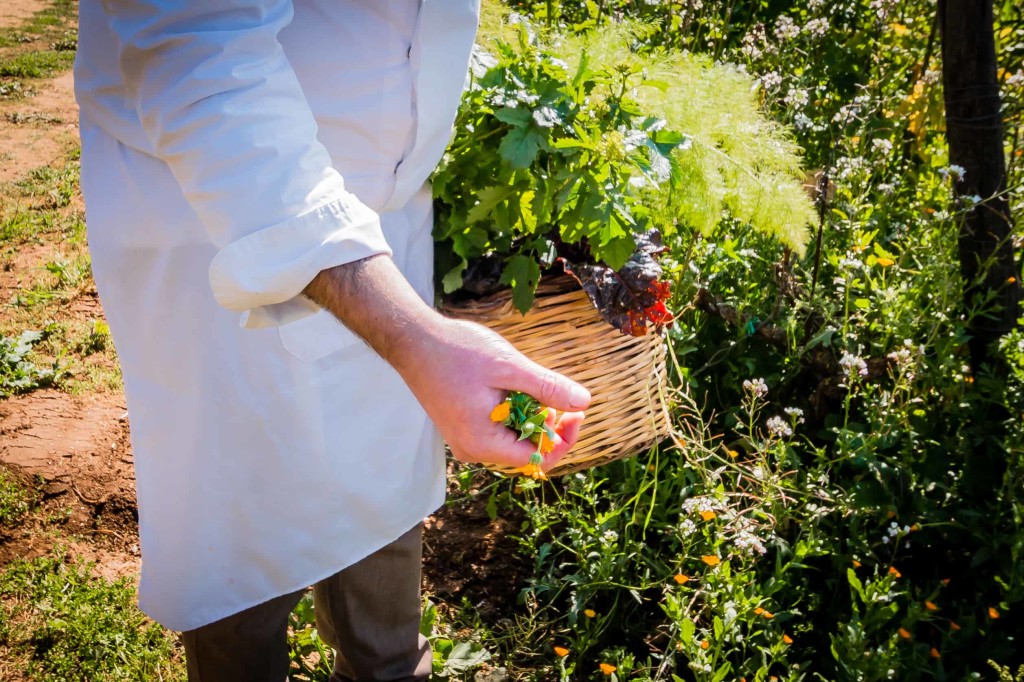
(38, 129)
(14, 12)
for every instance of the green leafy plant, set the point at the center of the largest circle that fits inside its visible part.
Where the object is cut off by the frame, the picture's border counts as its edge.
(17, 373)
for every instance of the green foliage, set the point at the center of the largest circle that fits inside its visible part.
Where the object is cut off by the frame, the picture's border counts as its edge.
(36, 64)
(569, 147)
(844, 498)
(17, 373)
(71, 625)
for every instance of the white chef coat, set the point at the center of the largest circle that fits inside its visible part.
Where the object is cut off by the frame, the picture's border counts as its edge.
(232, 149)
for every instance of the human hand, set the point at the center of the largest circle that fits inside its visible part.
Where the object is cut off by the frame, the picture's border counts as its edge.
(459, 370)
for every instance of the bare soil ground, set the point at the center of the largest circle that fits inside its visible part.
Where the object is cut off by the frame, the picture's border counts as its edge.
(13, 12)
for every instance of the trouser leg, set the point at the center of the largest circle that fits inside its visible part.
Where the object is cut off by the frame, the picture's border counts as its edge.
(250, 646)
(370, 614)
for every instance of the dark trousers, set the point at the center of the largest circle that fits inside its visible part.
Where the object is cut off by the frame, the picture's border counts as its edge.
(369, 613)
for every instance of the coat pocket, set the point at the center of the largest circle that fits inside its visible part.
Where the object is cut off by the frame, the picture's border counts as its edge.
(316, 336)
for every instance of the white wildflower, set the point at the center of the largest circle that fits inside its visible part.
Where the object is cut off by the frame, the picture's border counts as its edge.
(853, 365)
(778, 427)
(786, 29)
(757, 387)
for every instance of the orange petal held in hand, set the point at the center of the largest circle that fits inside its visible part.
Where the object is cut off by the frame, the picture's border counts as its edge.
(546, 444)
(500, 412)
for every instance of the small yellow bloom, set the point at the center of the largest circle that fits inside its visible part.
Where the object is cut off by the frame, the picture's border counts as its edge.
(732, 453)
(758, 611)
(894, 573)
(931, 606)
(1011, 280)
(561, 651)
(953, 626)
(500, 412)
(992, 613)
(904, 633)
(855, 139)
(787, 639)
(934, 653)
(969, 379)
(885, 262)
(916, 527)
(546, 444)
(707, 515)
(681, 578)
(589, 613)
(704, 644)
(768, 614)
(608, 668)
(711, 560)
(856, 564)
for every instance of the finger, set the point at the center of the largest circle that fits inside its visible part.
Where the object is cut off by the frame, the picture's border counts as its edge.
(567, 432)
(550, 388)
(501, 447)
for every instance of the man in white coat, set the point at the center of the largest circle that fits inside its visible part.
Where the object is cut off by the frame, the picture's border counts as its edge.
(254, 175)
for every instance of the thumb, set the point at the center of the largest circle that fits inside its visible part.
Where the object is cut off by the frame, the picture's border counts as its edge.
(550, 388)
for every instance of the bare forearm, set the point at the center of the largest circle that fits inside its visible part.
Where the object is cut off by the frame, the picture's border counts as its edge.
(374, 300)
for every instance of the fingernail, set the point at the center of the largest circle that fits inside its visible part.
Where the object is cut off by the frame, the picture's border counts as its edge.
(579, 398)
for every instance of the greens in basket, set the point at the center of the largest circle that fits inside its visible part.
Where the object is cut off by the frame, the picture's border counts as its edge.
(566, 158)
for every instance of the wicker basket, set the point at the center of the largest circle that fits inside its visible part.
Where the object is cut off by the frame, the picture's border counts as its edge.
(625, 375)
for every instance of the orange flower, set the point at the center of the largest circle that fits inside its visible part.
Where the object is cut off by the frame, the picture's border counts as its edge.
(894, 573)
(931, 606)
(707, 515)
(704, 644)
(916, 527)
(1011, 280)
(546, 444)
(890, 514)
(992, 613)
(856, 564)
(711, 560)
(532, 470)
(885, 262)
(589, 613)
(904, 633)
(608, 668)
(953, 626)
(681, 578)
(934, 653)
(945, 581)
(768, 614)
(758, 611)
(500, 412)
(787, 639)
(561, 651)
(732, 453)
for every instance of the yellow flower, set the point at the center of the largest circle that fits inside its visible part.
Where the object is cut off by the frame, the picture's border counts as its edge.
(711, 560)
(904, 633)
(1011, 280)
(894, 573)
(681, 578)
(707, 515)
(561, 651)
(733, 453)
(885, 262)
(856, 564)
(704, 644)
(589, 613)
(500, 412)
(934, 653)
(931, 606)
(787, 639)
(608, 668)
(992, 613)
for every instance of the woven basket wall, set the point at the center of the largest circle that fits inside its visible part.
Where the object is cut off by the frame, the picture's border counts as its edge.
(625, 375)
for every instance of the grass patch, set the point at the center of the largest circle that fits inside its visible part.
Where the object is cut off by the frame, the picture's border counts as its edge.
(15, 499)
(65, 623)
(36, 64)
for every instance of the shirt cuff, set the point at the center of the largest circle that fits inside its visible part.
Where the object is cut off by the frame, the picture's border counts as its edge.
(263, 274)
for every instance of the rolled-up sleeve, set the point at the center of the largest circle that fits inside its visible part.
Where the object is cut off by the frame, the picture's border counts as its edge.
(223, 108)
